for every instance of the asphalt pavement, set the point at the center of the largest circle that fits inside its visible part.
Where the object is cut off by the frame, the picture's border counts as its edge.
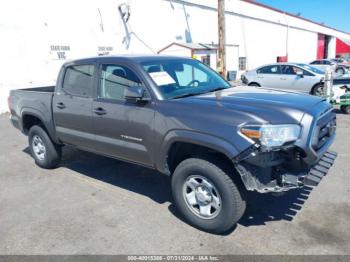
(96, 205)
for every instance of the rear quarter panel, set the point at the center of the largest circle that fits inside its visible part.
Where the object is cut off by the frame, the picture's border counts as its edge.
(33, 103)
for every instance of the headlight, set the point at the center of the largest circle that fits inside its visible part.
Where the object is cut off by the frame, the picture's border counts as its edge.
(272, 135)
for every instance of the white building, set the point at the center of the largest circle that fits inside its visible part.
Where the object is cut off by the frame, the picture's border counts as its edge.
(37, 36)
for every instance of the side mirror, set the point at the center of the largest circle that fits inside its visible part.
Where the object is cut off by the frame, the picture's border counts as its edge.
(300, 74)
(135, 94)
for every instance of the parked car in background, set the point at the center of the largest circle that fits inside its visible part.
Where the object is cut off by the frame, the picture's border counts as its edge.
(342, 60)
(287, 76)
(336, 64)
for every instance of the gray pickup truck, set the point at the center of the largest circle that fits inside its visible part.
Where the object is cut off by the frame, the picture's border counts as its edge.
(179, 117)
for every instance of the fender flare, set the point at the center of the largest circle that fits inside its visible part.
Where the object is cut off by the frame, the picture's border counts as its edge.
(29, 111)
(192, 137)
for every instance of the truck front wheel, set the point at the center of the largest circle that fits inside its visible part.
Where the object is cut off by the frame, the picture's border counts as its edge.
(45, 153)
(206, 196)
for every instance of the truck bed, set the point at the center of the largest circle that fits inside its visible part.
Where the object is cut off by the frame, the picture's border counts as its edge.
(37, 100)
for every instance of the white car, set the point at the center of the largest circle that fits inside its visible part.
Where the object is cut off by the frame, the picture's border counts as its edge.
(287, 76)
(337, 65)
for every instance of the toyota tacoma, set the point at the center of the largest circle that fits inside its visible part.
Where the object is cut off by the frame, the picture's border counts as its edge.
(179, 117)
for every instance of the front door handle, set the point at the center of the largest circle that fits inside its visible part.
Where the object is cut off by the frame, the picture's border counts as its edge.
(60, 105)
(283, 78)
(100, 111)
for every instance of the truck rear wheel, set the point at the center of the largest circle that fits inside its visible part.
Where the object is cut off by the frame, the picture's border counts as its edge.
(45, 153)
(206, 196)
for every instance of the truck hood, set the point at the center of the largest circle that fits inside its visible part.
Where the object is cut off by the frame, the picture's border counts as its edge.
(269, 105)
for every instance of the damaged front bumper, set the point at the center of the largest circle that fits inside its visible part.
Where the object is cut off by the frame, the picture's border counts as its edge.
(304, 162)
(318, 171)
(277, 179)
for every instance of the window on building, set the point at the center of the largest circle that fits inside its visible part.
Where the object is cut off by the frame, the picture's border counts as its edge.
(114, 80)
(206, 59)
(78, 80)
(242, 62)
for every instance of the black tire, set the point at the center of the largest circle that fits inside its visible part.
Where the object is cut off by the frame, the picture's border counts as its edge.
(345, 109)
(318, 90)
(340, 71)
(232, 202)
(254, 84)
(52, 156)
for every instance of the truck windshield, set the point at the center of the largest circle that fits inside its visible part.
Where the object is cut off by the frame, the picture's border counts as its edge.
(177, 78)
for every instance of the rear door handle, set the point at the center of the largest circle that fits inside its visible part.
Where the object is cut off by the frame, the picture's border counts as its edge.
(60, 105)
(283, 78)
(100, 111)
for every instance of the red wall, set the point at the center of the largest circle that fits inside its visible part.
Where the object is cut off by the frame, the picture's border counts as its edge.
(342, 48)
(321, 46)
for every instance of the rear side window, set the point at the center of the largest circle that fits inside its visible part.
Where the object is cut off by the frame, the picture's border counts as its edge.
(273, 69)
(78, 80)
(316, 62)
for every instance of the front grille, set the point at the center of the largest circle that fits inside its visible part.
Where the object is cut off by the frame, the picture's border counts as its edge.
(324, 130)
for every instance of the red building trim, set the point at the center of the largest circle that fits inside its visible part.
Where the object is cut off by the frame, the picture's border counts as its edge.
(342, 47)
(321, 45)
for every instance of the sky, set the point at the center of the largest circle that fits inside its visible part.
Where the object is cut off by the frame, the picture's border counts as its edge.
(335, 13)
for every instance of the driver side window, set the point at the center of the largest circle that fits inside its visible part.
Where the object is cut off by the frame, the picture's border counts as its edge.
(114, 79)
(188, 74)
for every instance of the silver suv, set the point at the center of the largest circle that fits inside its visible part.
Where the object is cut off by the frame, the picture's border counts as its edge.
(287, 76)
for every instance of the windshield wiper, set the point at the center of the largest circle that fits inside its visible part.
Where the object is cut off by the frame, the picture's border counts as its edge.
(186, 95)
(201, 93)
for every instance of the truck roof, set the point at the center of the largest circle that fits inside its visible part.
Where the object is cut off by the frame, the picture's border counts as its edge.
(128, 57)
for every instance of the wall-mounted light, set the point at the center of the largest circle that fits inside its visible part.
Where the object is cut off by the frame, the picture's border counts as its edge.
(124, 10)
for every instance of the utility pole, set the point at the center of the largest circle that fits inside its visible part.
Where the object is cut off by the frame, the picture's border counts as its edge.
(222, 38)
(287, 34)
